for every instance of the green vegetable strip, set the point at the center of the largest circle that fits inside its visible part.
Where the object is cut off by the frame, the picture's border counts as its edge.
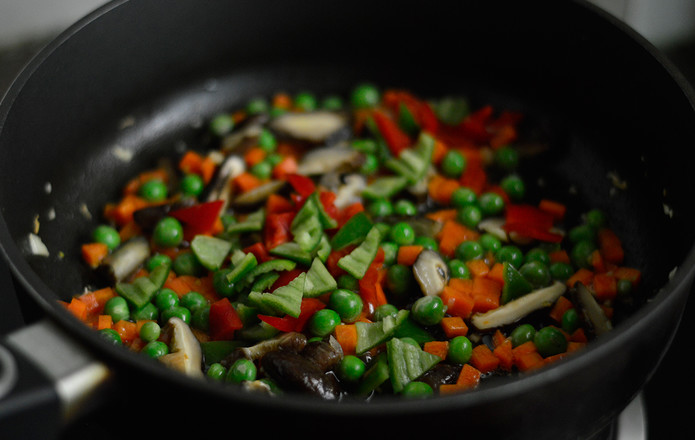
(253, 223)
(407, 362)
(292, 251)
(283, 300)
(242, 268)
(264, 281)
(376, 375)
(318, 280)
(327, 221)
(278, 264)
(357, 262)
(371, 334)
(306, 226)
(210, 251)
(352, 232)
(385, 187)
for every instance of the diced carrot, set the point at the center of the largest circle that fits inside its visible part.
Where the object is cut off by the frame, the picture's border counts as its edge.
(582, 275)
(503, 136)
(254, 156)
(478, 267)
(190, 162)
(457, 302)
(528, 361)
(129, 230)
(454, 326)
(610, 245)
(579, 335)
(554, 208)
(346, 335)
(559, 308)
(133, 186)
(452, 235)
(440, 150)
(94, 253)
(474, 177)
(449, 388)
(628, 273)
(127, 330)
(122, 212)
(442, 215)
(498, 338)
(486, 294)
(282, 101)
(559, 256)
(407, 254)
(95, 300)
(503, 352)
(597, 262)
(246, 182)
(207, 169)
(441, 188)
(463, 285)
(497, 273)
(483, 359)
(573, 346)
(78, 308)
(104, 321)
(525, 348)
(605, 286)
(554, 358)
(288, 165)
(469, 377)
(437, 348)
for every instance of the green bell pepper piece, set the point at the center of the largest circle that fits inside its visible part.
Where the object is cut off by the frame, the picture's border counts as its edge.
(357, 262)
(352, 232)
(407, 362)
(515, 285)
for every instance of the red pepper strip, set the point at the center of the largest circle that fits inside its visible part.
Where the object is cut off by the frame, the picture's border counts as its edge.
(201, 217)
(368, 283)
(302, 184)
(277, 203)
(424, 116)
(277, 229)
(285, 278)
(289, 323)
(259, 251)
(223, 320)
(530, 231)
(530, 221)
(327, 199)
(347, 212)
(395, 138)
(474, 125)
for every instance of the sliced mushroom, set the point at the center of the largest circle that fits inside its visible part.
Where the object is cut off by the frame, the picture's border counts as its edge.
(518, 308)
(315, 127)
(294, 372)
(350, 191)
(245, 133)
(125, 260)
(221, 188)
(493, 226)
(259, 194)
(323, 354)
(339, 158)
(592, 310)
(186, 355)
(431, 272)
(292, 341)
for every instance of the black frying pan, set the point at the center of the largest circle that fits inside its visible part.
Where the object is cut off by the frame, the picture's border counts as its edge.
(603, 98)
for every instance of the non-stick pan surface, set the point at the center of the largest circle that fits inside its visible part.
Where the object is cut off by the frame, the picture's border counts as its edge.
(143, 75)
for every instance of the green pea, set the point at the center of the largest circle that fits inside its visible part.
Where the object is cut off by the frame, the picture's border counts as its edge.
(148, 312)
(510, 254)
(490, 242)
(390, 252)
(166, 298)
(399, 279)
(426, 242)
(470, 215)
(111, 336)
(186, 263)
(507, 158)
(380, 208)
(536, 273)
(305, 101)
(200, 318)
(349, 282)
(150, 331)
(470, 250)
(176, 312)
(346, 303)
(453, 163)
(241, 370)
(417, 389)
(458, 269)
(193, 300)
(581, 252)
(560, 270)
(428, 310)
(583, 232)
(221, 283)
(158, 260)
(522, 334)
(460, 350)
(262, 170)
(216, 372)
(383, 311)
(267, 141)
(537, 254)
(402, 234)
(153, 190)
(192, 185)
(117, 308)
(155, 349)
(490, 204)
(550, 341)
(332, 102)
(365, 96)
(370, 164)
(168, 232)
(596, 218)
(323, 322)
(514, 187)
(463, 196)
(405, 207)
(257, 105)
(570, 320)
(221, 124)
(107, 235)
(351, 368)
(274, 158)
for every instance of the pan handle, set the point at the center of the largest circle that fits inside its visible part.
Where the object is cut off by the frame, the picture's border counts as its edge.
(46, 381)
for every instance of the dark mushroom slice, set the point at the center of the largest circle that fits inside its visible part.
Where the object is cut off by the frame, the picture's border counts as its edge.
(292, 341)
(125, 260)
(319, 127)
(245, 134)
(259, 194)
(323, 354)
(440, 374)
(339, 158)
(431, 272)
(296, 373)
(221, 188)
(186, 355)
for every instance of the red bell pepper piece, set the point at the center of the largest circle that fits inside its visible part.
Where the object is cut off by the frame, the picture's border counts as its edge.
(223, 320)
(302, 184)
(289, 323)
(327, 199)
(396, 139)
(285, 278)
(428, 119)
(284, 324)
(530, 221)
(474, 125)
(259, 251)
(368, 283)
(201, 217)
(276, 230)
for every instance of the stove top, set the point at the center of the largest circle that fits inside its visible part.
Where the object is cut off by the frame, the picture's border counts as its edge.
(662, 410)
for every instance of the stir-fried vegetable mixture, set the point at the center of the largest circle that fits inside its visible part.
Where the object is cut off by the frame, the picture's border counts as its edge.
(375, 245)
